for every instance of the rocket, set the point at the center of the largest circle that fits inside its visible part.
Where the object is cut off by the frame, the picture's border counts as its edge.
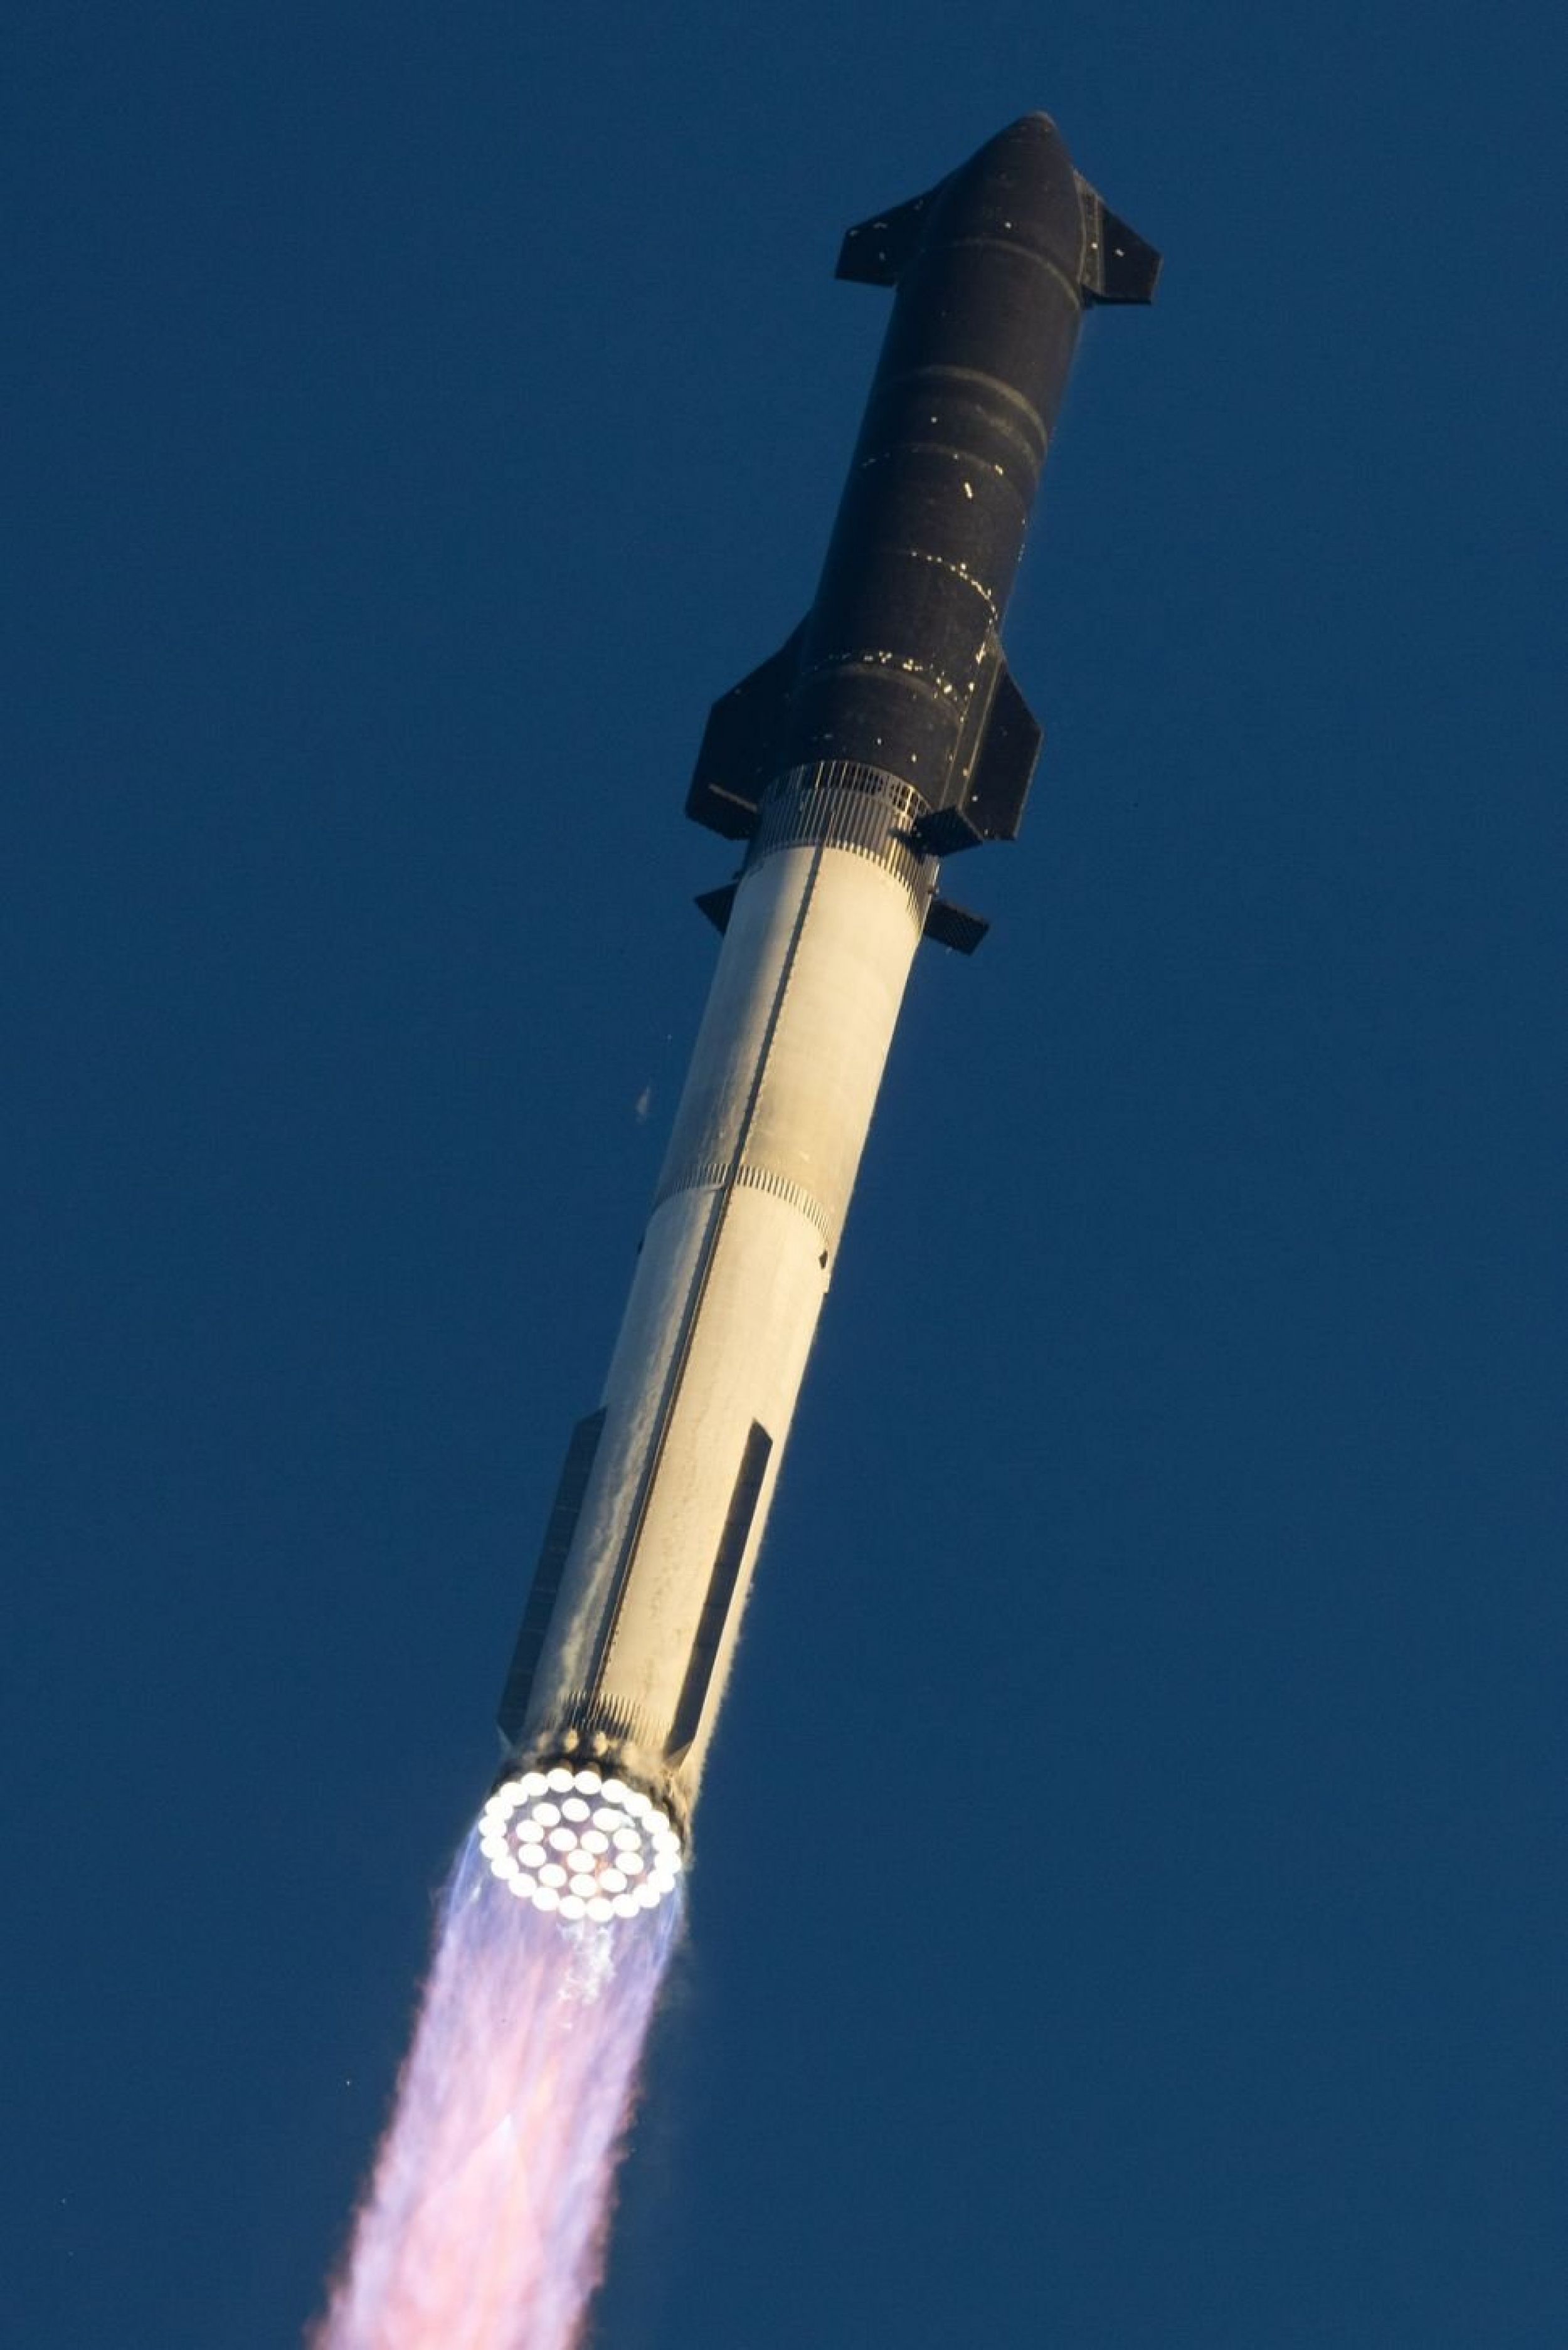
(885, 737)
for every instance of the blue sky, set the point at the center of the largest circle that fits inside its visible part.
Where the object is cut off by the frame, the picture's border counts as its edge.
(418, 417)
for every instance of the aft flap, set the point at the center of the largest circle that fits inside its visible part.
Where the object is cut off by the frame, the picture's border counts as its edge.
(738, 758)
(1001, 746)
(1000, 780)
(877, 250)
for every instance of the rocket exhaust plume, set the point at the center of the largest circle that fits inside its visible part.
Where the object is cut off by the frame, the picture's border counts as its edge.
(885, 737)
(483, 2226)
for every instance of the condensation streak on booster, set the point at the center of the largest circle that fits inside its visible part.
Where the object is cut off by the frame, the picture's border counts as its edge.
(884, 736)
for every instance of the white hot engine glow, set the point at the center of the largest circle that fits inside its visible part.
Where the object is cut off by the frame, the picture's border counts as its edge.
(627, 1861)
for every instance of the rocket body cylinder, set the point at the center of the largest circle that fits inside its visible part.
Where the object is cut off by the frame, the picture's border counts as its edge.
(729, 1281)
(884, 736)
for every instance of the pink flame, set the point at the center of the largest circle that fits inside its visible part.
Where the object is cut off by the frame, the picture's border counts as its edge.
(485, 2221)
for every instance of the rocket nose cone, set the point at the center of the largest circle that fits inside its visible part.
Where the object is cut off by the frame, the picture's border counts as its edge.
(1030, 147)
(1021, 186)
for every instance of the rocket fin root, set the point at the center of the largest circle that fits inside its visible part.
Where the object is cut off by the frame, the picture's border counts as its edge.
(1118, 264)
(876, 251)
(736, 761)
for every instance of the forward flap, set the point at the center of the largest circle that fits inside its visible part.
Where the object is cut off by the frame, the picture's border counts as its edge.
(875, 252)
(1117, 266)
